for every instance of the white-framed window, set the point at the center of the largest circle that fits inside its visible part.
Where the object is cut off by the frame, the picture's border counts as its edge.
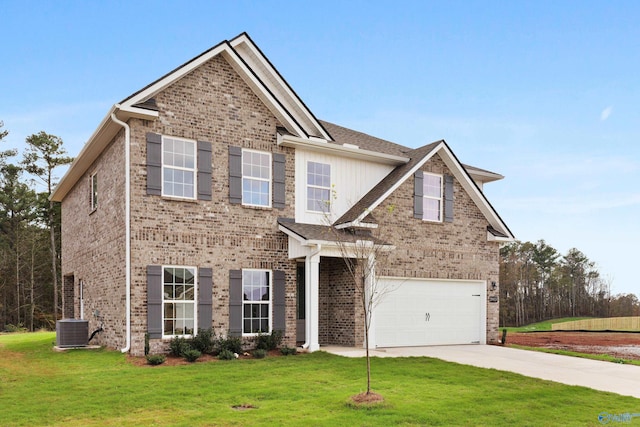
(256, 178)
(432, 197)
(318, 187)
(256, 301)
(178, 301)
(93, 191)
(178, 167)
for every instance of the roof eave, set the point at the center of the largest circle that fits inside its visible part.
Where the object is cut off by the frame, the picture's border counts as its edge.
(356, 224)
(493, 238)
(96, 144)
(483, 176)
(340, 150)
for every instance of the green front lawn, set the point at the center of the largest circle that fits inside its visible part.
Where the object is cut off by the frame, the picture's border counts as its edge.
(101, 388)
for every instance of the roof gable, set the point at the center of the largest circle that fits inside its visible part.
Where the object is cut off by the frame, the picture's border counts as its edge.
(356, 216)
(256, 70)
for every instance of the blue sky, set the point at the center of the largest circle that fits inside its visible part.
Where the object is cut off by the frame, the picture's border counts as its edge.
(544, 92)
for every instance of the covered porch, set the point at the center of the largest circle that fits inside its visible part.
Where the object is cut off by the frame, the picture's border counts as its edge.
(330, 308)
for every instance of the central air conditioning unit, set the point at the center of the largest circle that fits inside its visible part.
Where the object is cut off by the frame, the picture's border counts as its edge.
(72, 333)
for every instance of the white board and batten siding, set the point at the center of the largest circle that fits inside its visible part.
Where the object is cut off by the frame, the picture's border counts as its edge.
(350, 178)
(420, 312)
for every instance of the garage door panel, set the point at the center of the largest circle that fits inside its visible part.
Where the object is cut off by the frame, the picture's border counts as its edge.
(429, 312)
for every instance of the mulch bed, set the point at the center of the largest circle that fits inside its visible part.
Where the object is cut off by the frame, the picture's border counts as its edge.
(624, 345)
(179, 361)
(367, 399)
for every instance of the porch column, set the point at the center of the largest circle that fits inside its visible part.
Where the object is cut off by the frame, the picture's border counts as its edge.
(312, 304)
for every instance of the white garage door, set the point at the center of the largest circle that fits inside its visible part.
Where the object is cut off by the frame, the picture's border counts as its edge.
(418, 312)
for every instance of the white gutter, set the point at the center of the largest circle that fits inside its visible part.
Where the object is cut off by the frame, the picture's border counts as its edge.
(127, 223)
(322, 146)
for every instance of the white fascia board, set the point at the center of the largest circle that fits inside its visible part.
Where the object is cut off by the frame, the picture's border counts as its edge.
(397, 184)
(356, 224)
(483, 176)
(128, 112)
(492, 238)
(274, 76)
(340, 150)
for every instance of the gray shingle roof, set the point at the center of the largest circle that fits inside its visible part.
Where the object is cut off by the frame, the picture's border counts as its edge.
(327, 233)
(342, 135)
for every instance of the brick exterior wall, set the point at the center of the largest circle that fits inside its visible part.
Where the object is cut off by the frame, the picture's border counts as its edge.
(212, 103)
(341, 314)
(68, 284)
(440, 250)
(93, 247)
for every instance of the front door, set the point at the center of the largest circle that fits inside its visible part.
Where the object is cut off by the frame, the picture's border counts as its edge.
(300, 305)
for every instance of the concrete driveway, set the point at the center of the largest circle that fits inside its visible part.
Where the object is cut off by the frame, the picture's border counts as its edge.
(598, 375)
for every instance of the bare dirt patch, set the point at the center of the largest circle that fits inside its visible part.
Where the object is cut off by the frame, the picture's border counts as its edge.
(624, 345)
(365, 399)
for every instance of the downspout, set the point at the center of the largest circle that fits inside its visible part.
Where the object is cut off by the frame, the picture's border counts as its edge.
(127, 224)
(307, 291)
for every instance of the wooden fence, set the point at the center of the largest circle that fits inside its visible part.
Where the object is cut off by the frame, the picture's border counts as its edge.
(608, 324)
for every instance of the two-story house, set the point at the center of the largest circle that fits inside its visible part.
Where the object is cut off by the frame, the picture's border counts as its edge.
(213, 198)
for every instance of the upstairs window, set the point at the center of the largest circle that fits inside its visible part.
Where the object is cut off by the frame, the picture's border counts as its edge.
(432, 197)
(178, 167)
(318, 187)
(93, 192)
(256, 178)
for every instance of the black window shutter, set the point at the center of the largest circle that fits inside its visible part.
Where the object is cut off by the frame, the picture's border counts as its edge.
(205, 298)
(278, 181)
(204, 170)
(418, 192)
(235, 175)
(448, 198)
(154, 301)
(154, 164)
(235, 303)
(279, 317)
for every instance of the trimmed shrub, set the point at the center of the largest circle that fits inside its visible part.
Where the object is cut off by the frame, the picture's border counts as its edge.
(178, 346)
(191, 355)
(269, 341)
(226, 355)
(155, 359)
(205, 341)
(288, 351)
(259, 353)
(232, 344)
